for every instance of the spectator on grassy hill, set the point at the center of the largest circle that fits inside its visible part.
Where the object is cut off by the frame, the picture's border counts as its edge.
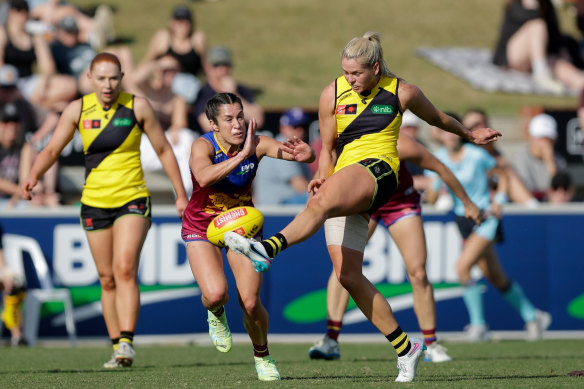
(182, 40)
(530, 41)
(98, 30)
(72, 56)
(220, 80)
(538, 162)
(278, 181)
(29, 52)
(15, 156)
(518, 193)
(168, 90)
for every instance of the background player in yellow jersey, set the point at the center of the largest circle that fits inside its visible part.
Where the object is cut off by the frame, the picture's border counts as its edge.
(111, 123)
(359, 116)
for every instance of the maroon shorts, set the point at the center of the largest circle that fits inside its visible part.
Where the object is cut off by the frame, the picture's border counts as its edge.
(408, 205)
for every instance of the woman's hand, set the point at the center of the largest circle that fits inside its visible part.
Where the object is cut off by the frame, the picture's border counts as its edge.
(251, 140)
(27, 187)
(314, 185)
(298, 149)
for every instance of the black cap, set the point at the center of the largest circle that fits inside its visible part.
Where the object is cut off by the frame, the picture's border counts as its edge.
(68, 24)
(561, 180)
(182, 13)
(9, 113)
(20, 5)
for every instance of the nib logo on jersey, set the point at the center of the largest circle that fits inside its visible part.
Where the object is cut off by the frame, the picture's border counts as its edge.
(383, 109)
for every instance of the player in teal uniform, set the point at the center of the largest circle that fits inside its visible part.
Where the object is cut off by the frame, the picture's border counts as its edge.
(472, 166)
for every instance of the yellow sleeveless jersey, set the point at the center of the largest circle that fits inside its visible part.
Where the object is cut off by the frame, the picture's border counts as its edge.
(367, 126)
(111, 144)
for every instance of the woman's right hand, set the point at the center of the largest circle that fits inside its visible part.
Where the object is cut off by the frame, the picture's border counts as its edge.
(314, 185)
(251, 141)
(27, 187)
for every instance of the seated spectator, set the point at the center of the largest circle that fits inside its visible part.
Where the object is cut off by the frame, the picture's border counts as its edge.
(284, 182)
(182, 40)
(15, 156)
(72, 56)
(167, 89)
(9, 93)
(25, 52)
(181, 140)
(97, 30)
(538, 163)
(530, 41)
(561, 190)
(518, 193)
(220, 79)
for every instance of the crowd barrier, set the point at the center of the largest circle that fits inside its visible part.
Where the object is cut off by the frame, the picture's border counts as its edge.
(543, 250)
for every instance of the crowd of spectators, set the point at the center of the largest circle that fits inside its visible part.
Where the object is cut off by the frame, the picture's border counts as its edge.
(46, 47)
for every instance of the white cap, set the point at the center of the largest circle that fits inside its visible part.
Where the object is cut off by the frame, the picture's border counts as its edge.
(410, 120)
(543, 126)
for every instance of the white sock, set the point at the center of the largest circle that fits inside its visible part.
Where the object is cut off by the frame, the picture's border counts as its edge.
(540, 68)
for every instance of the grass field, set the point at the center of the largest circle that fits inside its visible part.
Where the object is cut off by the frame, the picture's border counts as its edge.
(505, 364)
(289, 49)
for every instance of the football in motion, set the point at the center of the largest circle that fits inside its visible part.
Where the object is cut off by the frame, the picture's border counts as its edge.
(246, 221)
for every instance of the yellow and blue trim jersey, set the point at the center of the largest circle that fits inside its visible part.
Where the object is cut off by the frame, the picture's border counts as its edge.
(111, 144)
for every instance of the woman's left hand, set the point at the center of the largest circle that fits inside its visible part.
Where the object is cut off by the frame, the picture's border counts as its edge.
(483, 136)
(298, 149)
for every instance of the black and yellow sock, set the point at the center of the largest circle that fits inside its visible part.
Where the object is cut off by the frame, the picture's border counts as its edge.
(400, 341)
(260, 351)
(274, 245)
(115, 343)
(127, 336)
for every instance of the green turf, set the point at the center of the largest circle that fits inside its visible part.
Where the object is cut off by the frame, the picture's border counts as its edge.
(505, 364)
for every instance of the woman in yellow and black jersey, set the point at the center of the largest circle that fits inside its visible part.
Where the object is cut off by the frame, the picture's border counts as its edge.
(115, 203)
(359, 117)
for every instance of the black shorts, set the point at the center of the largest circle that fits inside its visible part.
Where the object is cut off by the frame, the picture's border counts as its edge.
(386, 182)
(93, 218)
(467, 227)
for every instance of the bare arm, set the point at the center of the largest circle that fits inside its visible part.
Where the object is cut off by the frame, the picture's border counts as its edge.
(45, 61)
(8, 187)
(413, 151)
(328, 134)
(48, 156)
(412, 98)
(158, 45)
(199, 42)
(147, 119)
(180, 112)
(3, 40)
(291, 150)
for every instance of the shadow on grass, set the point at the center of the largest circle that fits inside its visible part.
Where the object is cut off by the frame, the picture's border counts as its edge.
(134, 369)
